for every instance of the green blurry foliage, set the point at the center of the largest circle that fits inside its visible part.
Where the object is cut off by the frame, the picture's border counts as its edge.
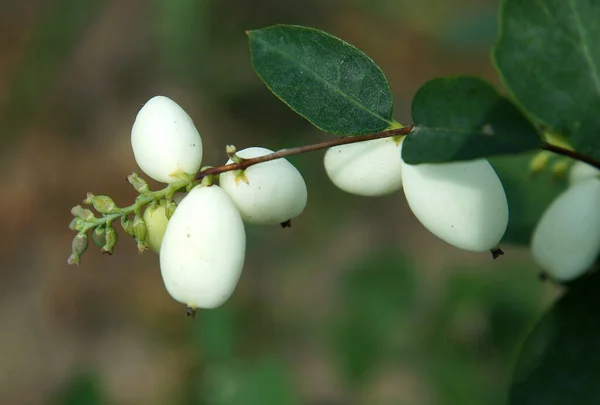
(375, 300)
(83, 388)
(56, 34)
(475, 327)
(560, 360)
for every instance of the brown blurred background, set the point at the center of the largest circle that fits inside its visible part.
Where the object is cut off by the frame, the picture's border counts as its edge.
(356, 304)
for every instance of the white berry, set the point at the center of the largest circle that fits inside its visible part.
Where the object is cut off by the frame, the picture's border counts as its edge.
(566, 240)
(266, 193)
(165, 140)
(203, 249)
(462, 203)
(371, 168)
(581, 171)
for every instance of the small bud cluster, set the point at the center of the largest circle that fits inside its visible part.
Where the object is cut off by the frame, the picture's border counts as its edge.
(103, 234)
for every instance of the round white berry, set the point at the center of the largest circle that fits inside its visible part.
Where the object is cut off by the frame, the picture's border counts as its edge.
(203, 249)
(462, 203)
(581, 171)
(566, 240)
(266, 193)
(165, 140)
(371, 168)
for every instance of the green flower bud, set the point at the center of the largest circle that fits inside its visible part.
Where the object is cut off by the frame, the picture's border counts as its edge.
(83, 213)
(79, 244)
(156, 223)
(74, 259)
(99, 236)
(76, 224)
(88, 198)
(141, 246)
(138, 183)
(170, 209)
(127, 225)
(139, 228)
(104, 204)
(560, 168)
(540, 161)
(111, 241)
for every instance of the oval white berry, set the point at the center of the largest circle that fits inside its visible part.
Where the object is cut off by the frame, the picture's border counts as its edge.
(566, 240)
(581, 171)
(165, 140)
(266, 193)
(203, 249)
(462, 203)
(371, 168)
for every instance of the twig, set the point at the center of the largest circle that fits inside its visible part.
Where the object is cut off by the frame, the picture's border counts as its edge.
(302, 149)
(572, 154)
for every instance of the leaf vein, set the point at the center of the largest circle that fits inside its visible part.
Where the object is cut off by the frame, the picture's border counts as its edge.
(585, 48)
(336, 90)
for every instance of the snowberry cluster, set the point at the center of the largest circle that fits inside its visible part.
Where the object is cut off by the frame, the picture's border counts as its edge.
(202, 245)
(566, 240)
(200, 235)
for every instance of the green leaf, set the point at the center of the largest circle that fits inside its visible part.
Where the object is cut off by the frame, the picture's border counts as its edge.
(548, 57)
(559, 363)
(462, 118)
(528, 195)
(329, 82)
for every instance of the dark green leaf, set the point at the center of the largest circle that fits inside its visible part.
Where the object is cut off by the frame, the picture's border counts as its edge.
(559, 363)
(326, 80)
(548, 57)
(461, 118)
(528, 195)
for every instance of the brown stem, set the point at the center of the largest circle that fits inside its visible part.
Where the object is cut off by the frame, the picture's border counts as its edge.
(572, 154)
(361, 138)
(302, 149)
